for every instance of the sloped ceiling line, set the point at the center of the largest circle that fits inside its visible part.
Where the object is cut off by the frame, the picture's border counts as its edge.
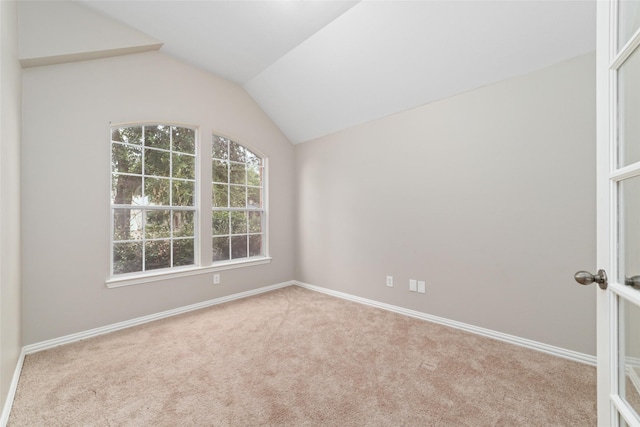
(316, 67)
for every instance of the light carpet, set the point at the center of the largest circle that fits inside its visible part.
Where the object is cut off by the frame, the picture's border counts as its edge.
(294, 357)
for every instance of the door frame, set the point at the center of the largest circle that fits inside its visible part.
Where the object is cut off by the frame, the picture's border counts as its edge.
(603, 163)
(607, 177)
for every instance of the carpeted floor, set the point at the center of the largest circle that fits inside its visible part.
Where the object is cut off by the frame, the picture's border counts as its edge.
(294, 357)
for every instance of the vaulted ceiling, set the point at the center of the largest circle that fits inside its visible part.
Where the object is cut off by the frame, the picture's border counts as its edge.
(316, 67)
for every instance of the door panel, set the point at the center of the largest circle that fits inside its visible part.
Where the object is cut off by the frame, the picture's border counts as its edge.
(618, 165)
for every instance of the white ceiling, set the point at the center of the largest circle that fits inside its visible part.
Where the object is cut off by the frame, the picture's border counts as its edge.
(317, 67)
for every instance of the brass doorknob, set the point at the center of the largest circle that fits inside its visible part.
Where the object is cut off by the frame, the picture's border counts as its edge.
(586, 278)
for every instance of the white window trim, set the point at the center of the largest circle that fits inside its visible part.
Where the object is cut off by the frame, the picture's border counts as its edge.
(150, 276)
(178, 272)
(195, 208)
(265, 206)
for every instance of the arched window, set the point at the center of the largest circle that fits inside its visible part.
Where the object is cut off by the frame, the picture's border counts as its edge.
(238, 211)
(159, 182)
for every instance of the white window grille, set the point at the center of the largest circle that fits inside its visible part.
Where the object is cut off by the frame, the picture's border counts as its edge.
(153, 197)
(238, 204)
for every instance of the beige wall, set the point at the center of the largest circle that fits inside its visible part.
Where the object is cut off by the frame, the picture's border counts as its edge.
(10, 104)
(51, 28)
(65, 183)
(488, 196)
(55, 32)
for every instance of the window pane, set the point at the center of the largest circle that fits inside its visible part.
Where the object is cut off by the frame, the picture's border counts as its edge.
(127, 257)
(252, 158)
(238, 174)
(183, 250)
(254, 197)
(156, 162)
(628, 20)
(126, 159)
(220, 196)
(220, 249)
(220, 222)
(130, 135)
(157, 136)
(184, 166)
(157, 254)
(220, 171)
(255, 222)
(220, 148)
(236, 152)
(156, 192)
(238, 222)
(621, 421)
(629, 353)
(157, 224)
(255, 245)
(183, 193)
(136, 224)
(127, 224)
(628, 110)
(629, 230)
(153, 166)
(238, 247)
(126, 189)
(183, 223)
(238, 195)
(184, 140)
(254, 175)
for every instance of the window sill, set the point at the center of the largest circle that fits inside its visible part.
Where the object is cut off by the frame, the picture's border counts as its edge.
(118, 282)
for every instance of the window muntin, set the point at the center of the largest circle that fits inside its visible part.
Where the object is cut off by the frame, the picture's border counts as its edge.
(238, 213)
(153, 195)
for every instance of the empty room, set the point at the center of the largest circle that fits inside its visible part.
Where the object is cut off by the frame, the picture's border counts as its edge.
(319, 213)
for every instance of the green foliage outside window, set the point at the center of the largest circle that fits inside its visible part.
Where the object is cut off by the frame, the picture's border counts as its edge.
(238, 211)
(153, 197)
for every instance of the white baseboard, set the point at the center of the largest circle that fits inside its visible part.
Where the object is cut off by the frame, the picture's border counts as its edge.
(512, 339)
(67, 339)
(6, 409)
(523, 342)
(43, 345)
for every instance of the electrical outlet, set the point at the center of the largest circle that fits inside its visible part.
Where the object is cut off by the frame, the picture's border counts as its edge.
(390, 281)
(216, 279)
(422, 288)
(412, 285)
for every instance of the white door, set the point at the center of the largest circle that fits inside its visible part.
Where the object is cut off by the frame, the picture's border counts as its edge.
(618, 187)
